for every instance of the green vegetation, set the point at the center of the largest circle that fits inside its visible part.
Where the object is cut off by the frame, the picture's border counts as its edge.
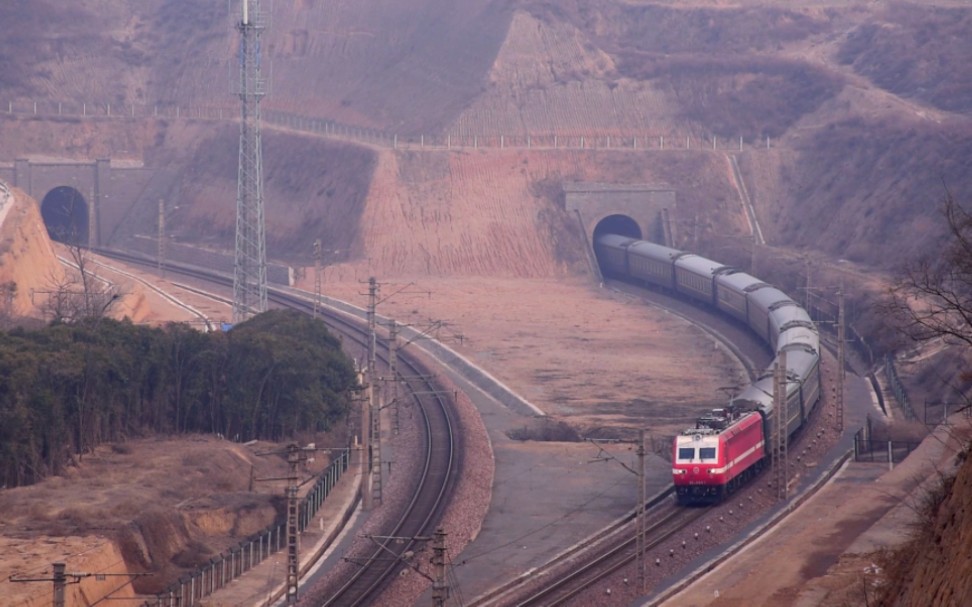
(69, 387)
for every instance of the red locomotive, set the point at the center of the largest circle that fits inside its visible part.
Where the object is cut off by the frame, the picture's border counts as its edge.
(722, 451)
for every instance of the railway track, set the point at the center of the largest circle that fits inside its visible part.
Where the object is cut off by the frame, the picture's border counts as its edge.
(664, 522)
(581, 566)
(572, 574)
(438, 461)
(577, 570)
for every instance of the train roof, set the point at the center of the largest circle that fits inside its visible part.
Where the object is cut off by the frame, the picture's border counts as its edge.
(717, 420)
(758, 395)
(800, 362)
(700, 265)
(770, 297)
(615, 240)
(787, 315)
(741, 281)
(652, 250)
(798, 337)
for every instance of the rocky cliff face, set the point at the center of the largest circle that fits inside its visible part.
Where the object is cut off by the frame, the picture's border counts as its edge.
(935, 568)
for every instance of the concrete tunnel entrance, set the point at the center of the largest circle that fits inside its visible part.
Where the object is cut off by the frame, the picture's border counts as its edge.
(615, 224)
(618, 224)
(65, 214)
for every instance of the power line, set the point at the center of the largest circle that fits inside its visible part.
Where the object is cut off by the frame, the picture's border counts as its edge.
(61, 578)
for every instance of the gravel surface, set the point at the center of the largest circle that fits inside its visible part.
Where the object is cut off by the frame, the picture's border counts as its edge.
(467, 508)
(463, 517)
(396, 490)
(707, 538)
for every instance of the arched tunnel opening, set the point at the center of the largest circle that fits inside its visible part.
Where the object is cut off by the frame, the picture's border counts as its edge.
(621, 225)
(65, 213)
(618, 224)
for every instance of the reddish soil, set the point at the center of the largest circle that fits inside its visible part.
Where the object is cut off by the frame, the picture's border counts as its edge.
(867, 114)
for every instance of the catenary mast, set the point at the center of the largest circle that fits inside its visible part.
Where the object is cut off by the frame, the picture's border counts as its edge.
(250, 268)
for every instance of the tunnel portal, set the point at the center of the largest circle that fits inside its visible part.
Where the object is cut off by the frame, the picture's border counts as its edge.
(65, 214)
(618, 224)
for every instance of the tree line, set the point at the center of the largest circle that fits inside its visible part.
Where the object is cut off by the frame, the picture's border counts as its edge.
(68, 387)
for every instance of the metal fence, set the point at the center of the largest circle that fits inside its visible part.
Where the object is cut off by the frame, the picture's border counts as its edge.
(458, 138)
(881, 451)
(897, 388)
(222, 569)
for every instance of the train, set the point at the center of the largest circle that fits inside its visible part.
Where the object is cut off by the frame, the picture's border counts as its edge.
(731, 444)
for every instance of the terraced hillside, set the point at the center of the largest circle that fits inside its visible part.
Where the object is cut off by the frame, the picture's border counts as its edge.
(855, 117)
(865, 104)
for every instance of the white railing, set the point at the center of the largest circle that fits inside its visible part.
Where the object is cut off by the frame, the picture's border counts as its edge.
(580, 140)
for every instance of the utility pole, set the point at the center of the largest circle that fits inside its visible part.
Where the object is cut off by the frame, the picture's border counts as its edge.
(440, 589)
(365, 440)
(376, 401)
(393, 374)
(641, 519)
(296, 456)
(250, 267)
(161, 243)
(372, 316)
(642, 522)
(841, 345)
(779, 387)
(60, 579)
(317, 277)
(377, 406)
(373, 417)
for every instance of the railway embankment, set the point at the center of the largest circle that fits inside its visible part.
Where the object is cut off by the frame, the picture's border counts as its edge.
(837, 541)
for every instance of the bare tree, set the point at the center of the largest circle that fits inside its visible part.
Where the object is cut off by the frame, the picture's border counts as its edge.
(80, 294)
(97, 294)
(933, 300)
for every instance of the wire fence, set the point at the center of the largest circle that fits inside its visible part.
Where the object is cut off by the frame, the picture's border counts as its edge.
(897, 388)
(828, 318)
(450, 140)
(874, 450)
(224, 568)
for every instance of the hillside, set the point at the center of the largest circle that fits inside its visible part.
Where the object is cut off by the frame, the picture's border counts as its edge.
(856, 116)
(132, 517)
(866, 104)
(27, 259)
(929, 569)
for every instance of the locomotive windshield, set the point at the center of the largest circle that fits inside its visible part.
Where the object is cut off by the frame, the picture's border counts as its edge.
(707, 453)
(686, 453)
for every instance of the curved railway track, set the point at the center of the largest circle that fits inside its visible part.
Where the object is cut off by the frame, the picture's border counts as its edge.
(575, 571)
(664, 522)
(425, 506)
(440, 456)
(562, 580)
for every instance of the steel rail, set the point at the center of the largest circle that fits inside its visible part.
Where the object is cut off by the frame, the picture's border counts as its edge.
(607, 560)
(440, 457)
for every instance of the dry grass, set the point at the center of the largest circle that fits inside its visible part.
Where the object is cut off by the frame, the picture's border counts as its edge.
(168, 503)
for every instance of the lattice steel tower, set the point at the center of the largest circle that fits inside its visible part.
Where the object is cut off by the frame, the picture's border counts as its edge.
(250, 269)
